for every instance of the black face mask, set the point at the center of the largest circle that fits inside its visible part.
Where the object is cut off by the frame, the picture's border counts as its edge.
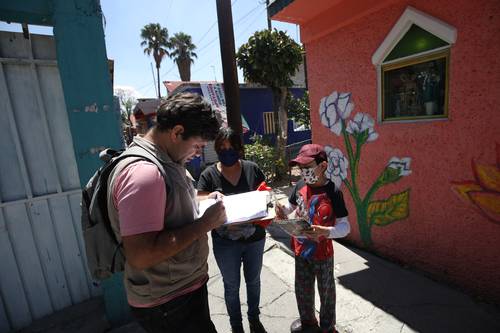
(228, 157)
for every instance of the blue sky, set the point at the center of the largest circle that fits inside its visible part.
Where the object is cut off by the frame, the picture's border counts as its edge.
(124, 20)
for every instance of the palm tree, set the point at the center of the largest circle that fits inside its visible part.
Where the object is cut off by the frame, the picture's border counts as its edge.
(155, 41)
(183, 54)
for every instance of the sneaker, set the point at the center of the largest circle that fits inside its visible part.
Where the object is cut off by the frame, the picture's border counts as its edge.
(237, 329)
(297, 327)
(256, 326)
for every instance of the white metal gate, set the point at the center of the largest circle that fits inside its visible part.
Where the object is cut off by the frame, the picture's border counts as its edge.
(42, 265)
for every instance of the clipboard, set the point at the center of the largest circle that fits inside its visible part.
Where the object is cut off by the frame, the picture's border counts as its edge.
(244, 207)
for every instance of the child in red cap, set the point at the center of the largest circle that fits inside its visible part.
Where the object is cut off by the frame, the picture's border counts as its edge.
(316, 200)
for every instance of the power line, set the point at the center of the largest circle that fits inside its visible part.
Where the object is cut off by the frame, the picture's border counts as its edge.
(201, 50)
(248, 13)
(147, 90)
(250, 25)
(212, 26)
(241, 19)
(207, 63)
(206, 33)
(144, 86)
(236, 22)
(148, 85)
(207, 45)
(171, 68)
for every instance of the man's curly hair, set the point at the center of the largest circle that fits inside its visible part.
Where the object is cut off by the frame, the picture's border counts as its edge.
(190, 111)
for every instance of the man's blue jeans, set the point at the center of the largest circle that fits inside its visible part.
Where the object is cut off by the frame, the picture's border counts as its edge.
(229, 255)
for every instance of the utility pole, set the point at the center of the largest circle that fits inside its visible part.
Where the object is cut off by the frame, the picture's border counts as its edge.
(230, 75)
(215, 76)
(154, 81)
(269, 27)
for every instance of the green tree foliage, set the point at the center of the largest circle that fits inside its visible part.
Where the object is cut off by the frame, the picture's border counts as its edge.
(271, 58)
(155, 42)
(182, 53)
(299, 109)
(262, 154)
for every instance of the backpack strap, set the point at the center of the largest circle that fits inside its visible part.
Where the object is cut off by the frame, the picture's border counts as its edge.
(115, 253)
(138, 151)
(102, 194)
(170, 180)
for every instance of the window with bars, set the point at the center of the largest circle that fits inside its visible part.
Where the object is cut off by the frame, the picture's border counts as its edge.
(268, 122)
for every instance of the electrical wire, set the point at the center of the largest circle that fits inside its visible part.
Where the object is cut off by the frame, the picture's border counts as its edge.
(242, 18)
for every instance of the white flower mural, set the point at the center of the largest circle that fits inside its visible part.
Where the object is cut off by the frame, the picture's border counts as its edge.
(337, 166)
(334, 110)
(402, 164)
(361, 123)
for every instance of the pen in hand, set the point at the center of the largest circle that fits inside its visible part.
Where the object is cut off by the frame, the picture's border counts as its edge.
(216, 195)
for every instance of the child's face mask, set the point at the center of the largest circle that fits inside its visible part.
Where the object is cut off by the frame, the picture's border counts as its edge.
(308, 175)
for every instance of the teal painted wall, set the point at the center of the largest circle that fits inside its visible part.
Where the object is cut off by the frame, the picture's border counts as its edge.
(81, 54)
(28, 11)
(82, 62)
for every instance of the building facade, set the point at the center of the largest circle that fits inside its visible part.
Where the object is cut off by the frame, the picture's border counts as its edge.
(407, 91)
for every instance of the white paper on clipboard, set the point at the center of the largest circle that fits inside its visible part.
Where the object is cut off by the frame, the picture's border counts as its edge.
(241, 208)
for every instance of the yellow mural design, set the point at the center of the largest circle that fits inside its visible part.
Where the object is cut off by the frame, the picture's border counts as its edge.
(483, 193)
(385, 212)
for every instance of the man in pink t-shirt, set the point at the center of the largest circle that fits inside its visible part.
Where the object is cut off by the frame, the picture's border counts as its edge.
(156, 217)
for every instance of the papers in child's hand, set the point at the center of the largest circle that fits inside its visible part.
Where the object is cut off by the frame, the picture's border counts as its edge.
(294, 227)
(240, 208)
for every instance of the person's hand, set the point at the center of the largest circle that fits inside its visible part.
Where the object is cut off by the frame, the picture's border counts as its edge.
(316, 232)
(215, 195)
(215, 215)
(280, 211)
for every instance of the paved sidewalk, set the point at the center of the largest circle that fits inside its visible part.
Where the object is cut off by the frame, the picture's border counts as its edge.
(373, 295)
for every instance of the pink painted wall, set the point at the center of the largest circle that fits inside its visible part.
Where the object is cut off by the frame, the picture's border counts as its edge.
(443, 235)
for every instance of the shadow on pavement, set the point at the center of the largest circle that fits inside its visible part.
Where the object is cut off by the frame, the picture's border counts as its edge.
(421, 303)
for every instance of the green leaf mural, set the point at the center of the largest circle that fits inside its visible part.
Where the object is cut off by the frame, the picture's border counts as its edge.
(335, 111)
(384, 212)
(389, 175)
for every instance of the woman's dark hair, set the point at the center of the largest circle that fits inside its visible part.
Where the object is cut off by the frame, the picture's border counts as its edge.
(226, 133)
(190, 111)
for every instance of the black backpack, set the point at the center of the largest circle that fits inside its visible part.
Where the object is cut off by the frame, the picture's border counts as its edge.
(104, 252)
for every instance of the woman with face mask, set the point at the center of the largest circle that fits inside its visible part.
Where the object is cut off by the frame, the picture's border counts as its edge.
(238, 244)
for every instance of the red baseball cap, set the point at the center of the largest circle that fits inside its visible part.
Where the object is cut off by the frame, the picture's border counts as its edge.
(308, 153)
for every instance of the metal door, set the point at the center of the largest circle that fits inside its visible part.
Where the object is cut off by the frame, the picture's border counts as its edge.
(42, 266)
